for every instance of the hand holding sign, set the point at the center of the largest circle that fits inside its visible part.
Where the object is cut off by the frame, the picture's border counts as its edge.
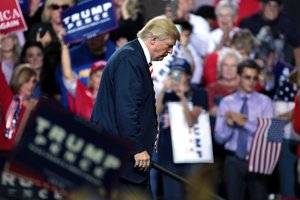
(88, 19)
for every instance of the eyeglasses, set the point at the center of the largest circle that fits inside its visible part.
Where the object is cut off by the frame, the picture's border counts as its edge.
(247, 77)
(224, 16)
(57, 7)
(229, 65)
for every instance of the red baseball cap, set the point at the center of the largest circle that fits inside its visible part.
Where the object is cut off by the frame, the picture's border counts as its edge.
(98, 65)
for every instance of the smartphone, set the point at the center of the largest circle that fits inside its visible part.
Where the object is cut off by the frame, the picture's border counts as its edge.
(41, 31)
(176, 75)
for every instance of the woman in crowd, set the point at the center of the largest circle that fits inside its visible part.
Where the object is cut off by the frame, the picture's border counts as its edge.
(46, 32)
(226, 12)
(243, 41)
(131, 20)
(227, 78)
(14, 100)
(10, 51)
(33, 53)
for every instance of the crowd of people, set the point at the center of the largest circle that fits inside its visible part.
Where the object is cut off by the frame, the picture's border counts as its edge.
(218, 58)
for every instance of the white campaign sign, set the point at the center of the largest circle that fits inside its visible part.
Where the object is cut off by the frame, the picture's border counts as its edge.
(190, 145)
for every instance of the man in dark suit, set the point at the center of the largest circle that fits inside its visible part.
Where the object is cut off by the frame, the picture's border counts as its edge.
(125, 104)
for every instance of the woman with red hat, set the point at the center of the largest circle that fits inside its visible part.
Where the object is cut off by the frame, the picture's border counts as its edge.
(81, 98)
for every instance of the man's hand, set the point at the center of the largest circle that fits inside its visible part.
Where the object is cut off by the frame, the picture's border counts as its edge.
(142, 160)
(239, 119)
(235, 118)
(287, 116)
(228, 118)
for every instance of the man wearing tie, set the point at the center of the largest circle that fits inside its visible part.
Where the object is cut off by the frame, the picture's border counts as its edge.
(235, 128)
(125, 104)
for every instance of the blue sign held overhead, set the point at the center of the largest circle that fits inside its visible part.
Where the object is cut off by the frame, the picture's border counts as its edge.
(88, 19)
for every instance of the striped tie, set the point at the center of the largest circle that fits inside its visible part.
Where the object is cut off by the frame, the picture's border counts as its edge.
(241, 150)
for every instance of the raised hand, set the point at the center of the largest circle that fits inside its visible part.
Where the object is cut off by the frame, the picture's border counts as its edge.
(44, 39)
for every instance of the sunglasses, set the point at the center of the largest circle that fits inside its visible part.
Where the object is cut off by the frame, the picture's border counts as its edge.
(247, 77)
(57, 7)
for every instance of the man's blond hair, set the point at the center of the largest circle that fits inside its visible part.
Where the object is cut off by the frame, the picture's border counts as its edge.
(160, 27)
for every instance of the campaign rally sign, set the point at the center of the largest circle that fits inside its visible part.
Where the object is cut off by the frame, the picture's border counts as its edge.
(11, 17)
(62, 152)
(16, 187)
(190, 145)
(161, 69)
(88, 19)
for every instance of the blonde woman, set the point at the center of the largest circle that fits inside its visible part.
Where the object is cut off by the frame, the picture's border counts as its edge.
(46, 31)
(131, 20)
(10, 51)
(14, 100)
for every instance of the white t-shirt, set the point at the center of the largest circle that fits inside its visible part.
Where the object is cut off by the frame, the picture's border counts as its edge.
(200, 35)
(215, 37)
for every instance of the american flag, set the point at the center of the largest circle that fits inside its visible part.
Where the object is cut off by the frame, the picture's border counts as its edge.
(266, 146)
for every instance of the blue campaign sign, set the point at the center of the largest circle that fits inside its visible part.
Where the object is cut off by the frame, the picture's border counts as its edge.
(16, 187)
(88, 19)
(24, 4)
(63, 152)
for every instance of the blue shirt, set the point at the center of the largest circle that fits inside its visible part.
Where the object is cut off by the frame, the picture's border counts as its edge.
(259, 105)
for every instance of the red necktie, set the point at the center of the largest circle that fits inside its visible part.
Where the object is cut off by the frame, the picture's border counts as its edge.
(157, 135)
(151, 69)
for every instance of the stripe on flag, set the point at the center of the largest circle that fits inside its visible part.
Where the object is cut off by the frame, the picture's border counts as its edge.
(266, 146)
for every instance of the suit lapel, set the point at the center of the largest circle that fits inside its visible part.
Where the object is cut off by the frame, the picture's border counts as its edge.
(137, 46)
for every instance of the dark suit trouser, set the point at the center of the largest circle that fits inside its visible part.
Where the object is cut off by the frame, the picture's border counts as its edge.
(242, 185)
(136, 190)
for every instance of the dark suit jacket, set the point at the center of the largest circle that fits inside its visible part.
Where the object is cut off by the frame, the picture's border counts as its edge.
(125, 104)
